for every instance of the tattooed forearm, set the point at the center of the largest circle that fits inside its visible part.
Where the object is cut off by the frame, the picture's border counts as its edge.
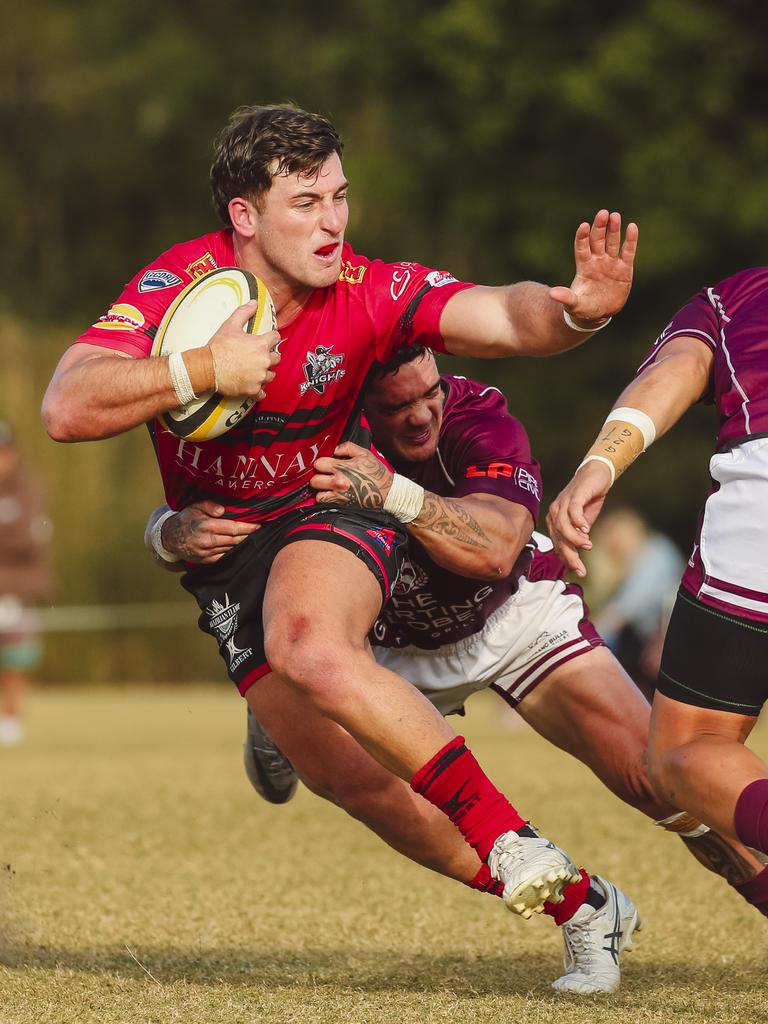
(718, 854)
(451, 519)
(182, 536)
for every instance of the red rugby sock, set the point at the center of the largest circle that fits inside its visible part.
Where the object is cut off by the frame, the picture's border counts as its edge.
(574, 896)
(453, 781)
(485, 882)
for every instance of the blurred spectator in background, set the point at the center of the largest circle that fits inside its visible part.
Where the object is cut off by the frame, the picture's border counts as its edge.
(639, 572)
(25, 580)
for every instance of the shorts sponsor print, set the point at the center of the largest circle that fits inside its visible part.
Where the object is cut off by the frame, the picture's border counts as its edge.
(230, 593)
(539, 628)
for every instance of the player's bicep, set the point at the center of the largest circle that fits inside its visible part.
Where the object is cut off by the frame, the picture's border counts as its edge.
(679, 376)
(475, 318)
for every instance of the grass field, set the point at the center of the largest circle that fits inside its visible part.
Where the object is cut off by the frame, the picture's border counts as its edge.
(141, 880)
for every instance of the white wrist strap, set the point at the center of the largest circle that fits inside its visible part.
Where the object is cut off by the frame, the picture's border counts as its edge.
(638, 419)
(605, 462)
(696, 829)
(405, 499)
(156, 538)
(583, 330)
(180, 381)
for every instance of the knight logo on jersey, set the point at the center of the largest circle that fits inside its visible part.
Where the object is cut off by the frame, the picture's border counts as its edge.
(321, 369)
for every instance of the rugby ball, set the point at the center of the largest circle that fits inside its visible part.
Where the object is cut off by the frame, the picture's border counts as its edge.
(190, 322)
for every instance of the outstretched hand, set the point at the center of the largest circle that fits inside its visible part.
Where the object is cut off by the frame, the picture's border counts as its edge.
(573, 512)
(604, 267)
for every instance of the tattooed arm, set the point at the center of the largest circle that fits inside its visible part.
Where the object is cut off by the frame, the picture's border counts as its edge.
(196, 534)
(478, 535)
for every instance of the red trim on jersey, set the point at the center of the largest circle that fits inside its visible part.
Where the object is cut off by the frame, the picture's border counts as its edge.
(253, 676)
(349, 536)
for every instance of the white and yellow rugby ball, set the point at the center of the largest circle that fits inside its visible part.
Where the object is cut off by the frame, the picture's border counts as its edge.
(190, 322)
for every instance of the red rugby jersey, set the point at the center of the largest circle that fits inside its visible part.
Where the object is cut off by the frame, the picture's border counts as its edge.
(262, 466)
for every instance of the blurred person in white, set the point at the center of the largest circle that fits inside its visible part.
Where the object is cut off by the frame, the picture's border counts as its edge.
(25, 580)
(642, 569)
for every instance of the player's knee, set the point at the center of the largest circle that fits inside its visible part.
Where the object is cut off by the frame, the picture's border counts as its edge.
(308, 659)
(638, 788)
(663, 768)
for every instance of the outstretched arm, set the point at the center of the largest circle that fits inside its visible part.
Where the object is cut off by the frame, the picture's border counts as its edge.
(528, 318)
(477, 535)
(662, 393)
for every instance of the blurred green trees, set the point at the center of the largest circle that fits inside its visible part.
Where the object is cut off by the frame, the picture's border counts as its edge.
(478, 132)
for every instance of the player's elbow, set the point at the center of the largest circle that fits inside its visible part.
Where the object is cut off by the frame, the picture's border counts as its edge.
(492, 564)
(57, 418)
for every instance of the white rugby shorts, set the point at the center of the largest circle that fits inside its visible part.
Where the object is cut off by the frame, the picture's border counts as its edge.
(733, 544)
(539, 628)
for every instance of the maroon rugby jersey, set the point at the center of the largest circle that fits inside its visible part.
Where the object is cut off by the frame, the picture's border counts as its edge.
(732, 319)
(482, 449)
(262, 466)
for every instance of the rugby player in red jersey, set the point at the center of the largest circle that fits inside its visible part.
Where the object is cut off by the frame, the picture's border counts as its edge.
(712, 681)
(481, 602)
(297, 601)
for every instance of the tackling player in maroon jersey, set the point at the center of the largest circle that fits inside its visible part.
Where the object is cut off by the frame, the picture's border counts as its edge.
(712, 680)
(296, 602)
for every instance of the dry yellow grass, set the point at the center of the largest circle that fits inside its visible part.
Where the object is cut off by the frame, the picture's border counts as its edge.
(142, 881)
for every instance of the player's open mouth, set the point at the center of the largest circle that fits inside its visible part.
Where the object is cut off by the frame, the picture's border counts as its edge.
(327, 252)
(421, 438)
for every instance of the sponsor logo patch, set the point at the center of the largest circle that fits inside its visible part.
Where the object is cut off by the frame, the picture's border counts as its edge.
(202, 266)
(154, 280)
(222, 619)
(321, 369)
(121, 317)
(438, 278)
(350, 274)
(401, 277)
(524, 480)
(385, 538)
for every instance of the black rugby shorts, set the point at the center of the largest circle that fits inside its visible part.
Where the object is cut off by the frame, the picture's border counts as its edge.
(230, 593)
(714, 660)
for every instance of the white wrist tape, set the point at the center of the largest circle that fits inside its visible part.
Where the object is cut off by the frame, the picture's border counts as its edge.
(583, 330)
(638, 419)
(154, 538)
(605, 462)
(617, 457)
(405, 499)
(180, 381)
(684, 825)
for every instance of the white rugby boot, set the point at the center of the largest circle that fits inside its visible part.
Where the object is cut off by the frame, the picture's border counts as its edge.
(593, 940)
(269, 771)
(532, 869)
